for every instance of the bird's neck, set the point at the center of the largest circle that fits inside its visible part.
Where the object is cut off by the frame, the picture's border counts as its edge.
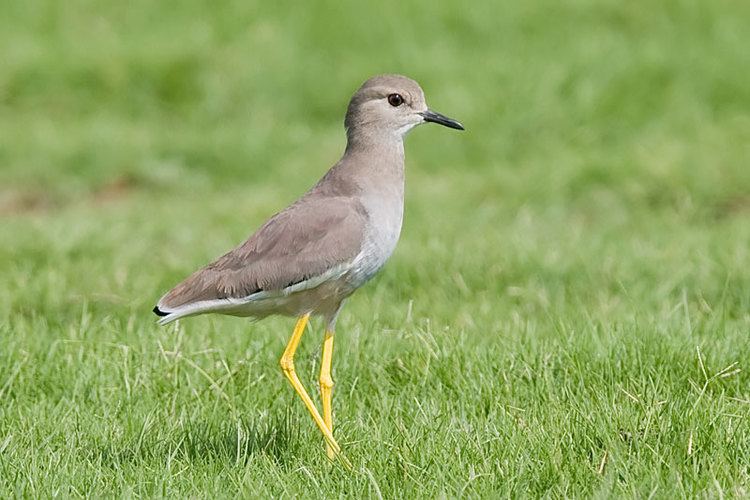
(372, 165)
(375, 163)
(379, 151)
(374, 140)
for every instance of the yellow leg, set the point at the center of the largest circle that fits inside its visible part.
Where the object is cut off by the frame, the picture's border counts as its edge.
(326, 386)
(287, 366)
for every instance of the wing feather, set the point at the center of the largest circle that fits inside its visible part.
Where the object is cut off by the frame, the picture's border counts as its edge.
(298, 244)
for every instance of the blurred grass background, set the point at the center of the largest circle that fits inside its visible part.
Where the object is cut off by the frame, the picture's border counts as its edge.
(571, 283)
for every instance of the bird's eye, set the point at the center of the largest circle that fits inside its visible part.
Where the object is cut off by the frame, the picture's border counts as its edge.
(395, 100)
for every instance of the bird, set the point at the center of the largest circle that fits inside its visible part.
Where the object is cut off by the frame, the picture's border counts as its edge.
(307, 259)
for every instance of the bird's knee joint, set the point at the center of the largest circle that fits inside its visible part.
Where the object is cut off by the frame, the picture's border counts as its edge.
(326, 382)
(287, 364)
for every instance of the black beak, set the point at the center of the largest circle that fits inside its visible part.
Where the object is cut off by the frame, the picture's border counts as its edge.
(431, 116)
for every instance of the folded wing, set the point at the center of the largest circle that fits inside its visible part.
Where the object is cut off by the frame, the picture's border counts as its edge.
(308, 239)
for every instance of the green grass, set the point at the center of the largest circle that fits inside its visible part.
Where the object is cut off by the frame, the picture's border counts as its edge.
(568, 311)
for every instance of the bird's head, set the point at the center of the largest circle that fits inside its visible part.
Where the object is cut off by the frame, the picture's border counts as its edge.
(391, 105)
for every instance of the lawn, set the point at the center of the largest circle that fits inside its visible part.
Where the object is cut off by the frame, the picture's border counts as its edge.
(567, 313)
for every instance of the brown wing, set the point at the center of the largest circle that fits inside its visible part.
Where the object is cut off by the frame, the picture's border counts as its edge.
(302, 242)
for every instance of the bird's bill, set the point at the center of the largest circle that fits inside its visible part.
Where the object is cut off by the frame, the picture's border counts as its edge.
(431, 116)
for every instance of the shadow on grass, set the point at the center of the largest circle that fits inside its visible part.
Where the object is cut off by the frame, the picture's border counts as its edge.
(229, 442)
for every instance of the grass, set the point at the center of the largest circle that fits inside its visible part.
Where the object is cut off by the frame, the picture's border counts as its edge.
(566, 315)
